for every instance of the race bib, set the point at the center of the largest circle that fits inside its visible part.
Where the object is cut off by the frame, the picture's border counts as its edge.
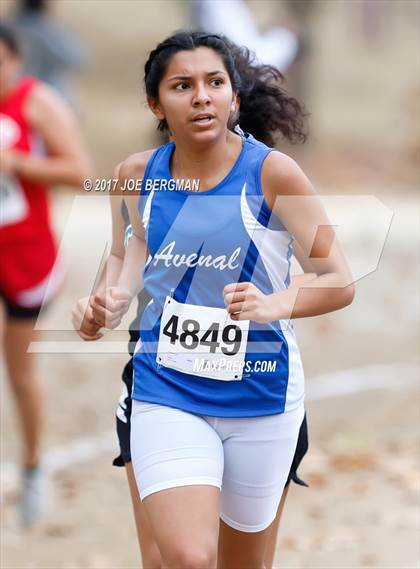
(13, 205)
(202, 341)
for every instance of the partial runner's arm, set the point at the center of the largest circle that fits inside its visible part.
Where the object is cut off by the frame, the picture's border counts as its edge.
(65, 160)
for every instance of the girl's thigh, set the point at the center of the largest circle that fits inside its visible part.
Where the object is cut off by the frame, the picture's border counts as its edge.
(185, 523)
(172, 448)
(178, 464)
(258, 454)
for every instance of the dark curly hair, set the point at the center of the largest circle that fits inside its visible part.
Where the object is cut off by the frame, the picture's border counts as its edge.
(266, 109)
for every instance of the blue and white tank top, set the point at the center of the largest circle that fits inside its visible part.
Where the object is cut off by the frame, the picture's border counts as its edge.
(191, 355)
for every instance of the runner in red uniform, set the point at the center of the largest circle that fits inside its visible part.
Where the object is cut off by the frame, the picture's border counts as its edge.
(40, 145)
(27, 248)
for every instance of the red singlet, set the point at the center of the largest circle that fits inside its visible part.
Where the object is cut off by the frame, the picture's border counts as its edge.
(27, 247)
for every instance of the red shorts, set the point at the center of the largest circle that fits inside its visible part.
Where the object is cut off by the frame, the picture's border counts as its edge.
(27, 278)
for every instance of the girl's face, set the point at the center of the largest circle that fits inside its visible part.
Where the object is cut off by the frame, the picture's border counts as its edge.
(9, 69)
(195, 96)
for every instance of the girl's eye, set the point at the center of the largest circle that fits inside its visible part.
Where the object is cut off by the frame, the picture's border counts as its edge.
(217, 82)
(181, 86)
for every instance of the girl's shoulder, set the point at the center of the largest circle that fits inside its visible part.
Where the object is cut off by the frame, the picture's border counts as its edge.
(282, 175)
(134, 166)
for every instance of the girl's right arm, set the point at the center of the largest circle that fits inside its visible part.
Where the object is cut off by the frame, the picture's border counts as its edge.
(82, 316)
(117, 299)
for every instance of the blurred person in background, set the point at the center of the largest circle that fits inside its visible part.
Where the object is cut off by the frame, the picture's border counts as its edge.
(40, 147)
(278, 46)
(50, 51)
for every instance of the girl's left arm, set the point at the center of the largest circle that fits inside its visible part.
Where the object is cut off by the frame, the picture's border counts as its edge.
(292, 198)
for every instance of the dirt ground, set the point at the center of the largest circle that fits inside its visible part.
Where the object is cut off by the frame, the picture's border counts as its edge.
(361, 509)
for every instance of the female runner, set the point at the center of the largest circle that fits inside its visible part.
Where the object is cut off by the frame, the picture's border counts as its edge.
(89, 330)
(40, 147)
(218, 382)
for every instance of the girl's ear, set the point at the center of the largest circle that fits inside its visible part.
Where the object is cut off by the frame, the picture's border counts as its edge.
(235, 102)
(155, 107)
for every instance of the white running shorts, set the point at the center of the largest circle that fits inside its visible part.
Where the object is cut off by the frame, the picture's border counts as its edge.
(247, 458)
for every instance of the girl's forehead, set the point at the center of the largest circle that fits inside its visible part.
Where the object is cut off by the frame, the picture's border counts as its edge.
(186, 62)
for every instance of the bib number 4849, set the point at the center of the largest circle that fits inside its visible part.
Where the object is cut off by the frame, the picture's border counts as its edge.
(191, 333)
(191, 336)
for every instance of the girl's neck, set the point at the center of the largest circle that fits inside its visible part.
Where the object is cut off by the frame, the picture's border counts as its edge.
(207, 162)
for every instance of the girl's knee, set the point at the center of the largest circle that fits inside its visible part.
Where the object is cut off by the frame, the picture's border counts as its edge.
(190, 556)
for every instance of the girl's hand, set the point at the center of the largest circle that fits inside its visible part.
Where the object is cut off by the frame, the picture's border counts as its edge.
(83, 321)
(109, 307)
(244, 301)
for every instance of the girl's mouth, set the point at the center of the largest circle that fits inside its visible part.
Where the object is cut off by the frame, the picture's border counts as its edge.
(203, 118)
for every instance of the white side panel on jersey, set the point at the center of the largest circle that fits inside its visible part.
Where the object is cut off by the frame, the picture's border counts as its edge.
(147, 209)
(296, 384)
(273, 247)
